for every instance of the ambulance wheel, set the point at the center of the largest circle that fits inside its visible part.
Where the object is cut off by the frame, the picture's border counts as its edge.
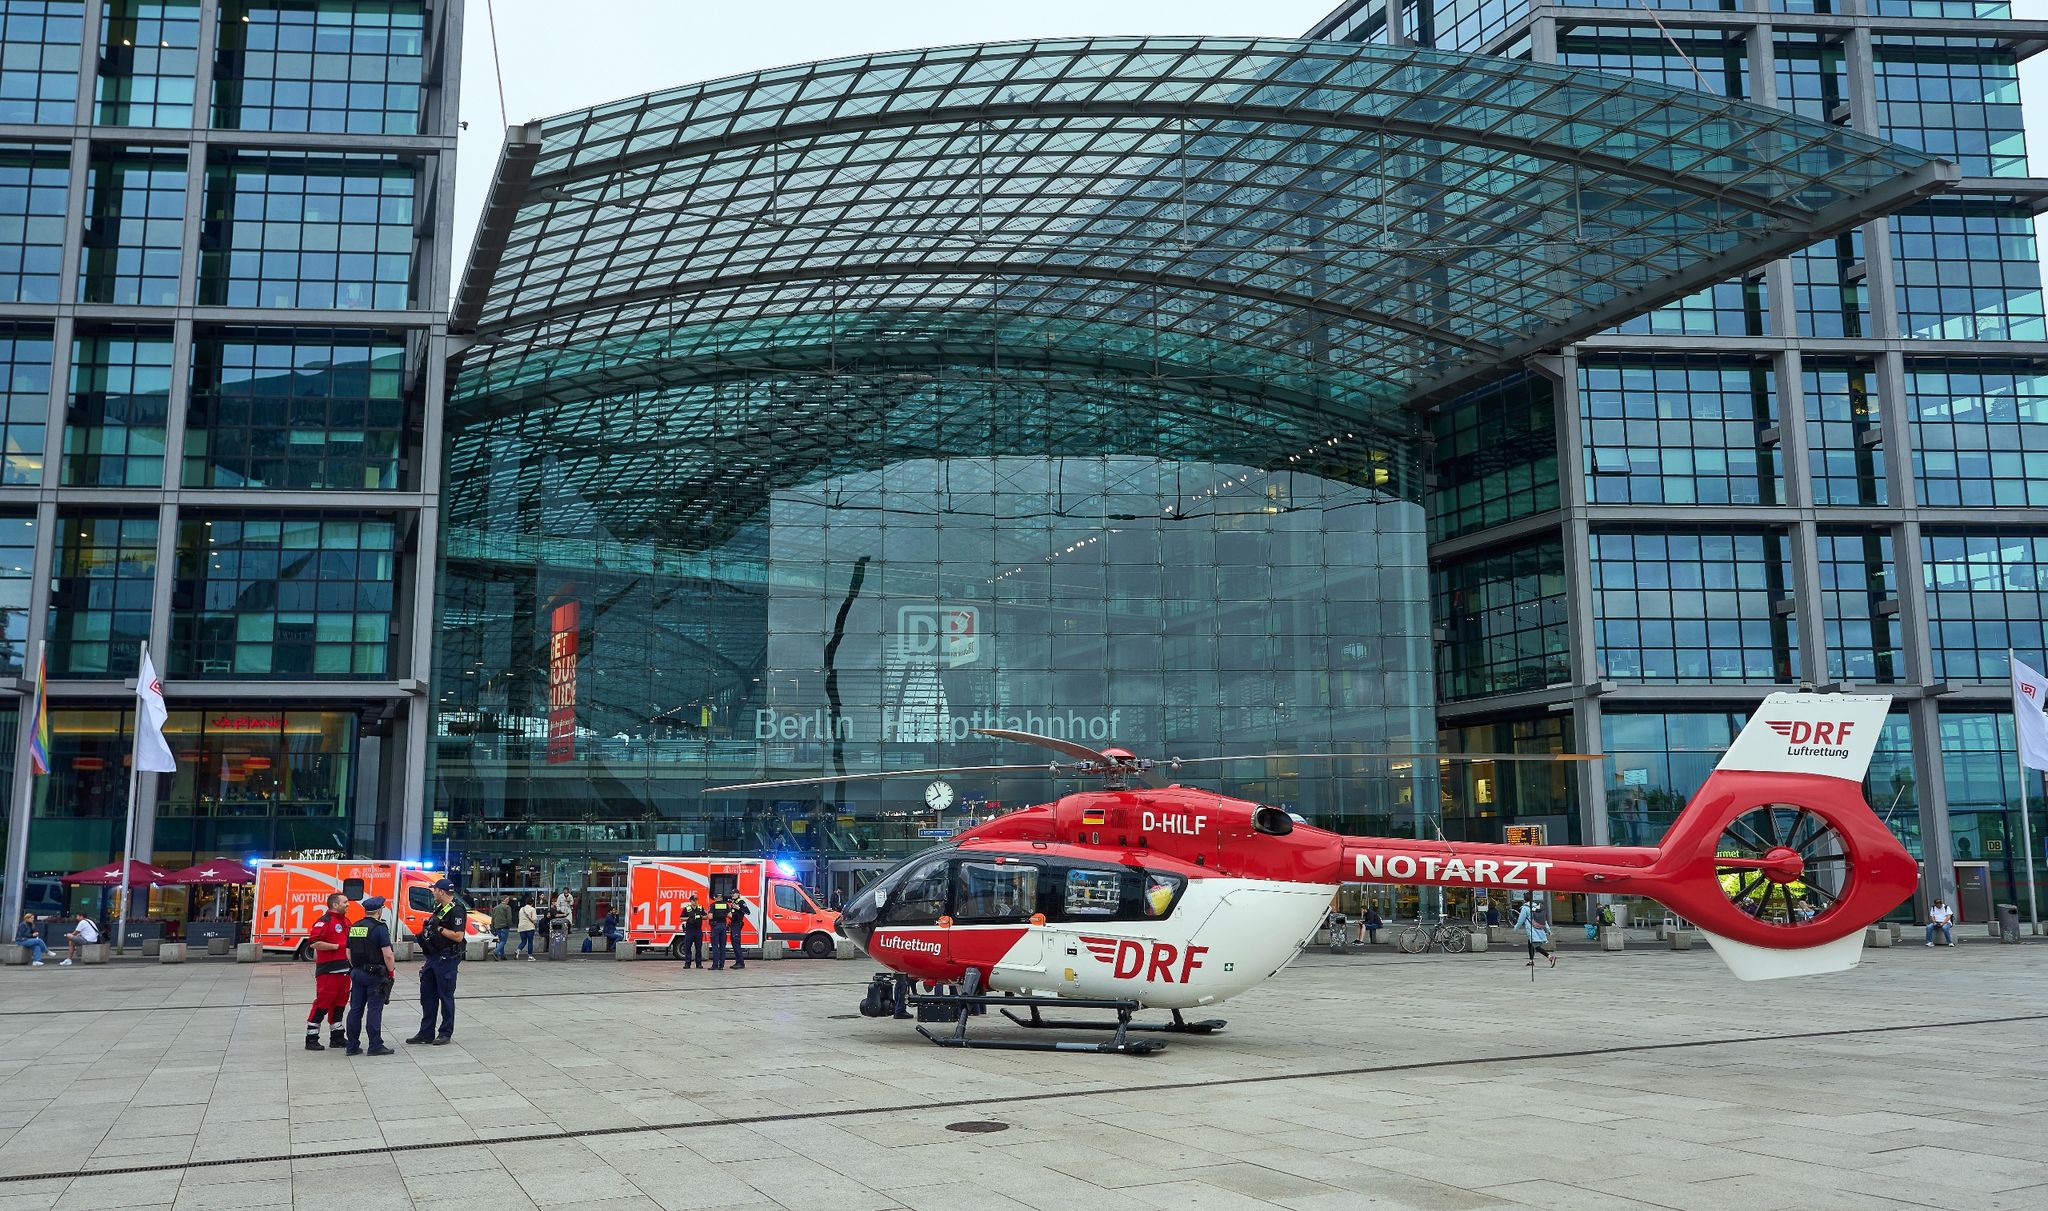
(675, 947)
(820, 946)
(305, 951)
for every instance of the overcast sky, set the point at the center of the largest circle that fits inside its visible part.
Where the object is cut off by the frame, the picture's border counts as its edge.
(561, 56)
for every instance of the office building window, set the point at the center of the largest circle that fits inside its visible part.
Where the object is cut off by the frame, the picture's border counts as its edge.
(332, 66)
(17, 572)
(34, 180)
(1733, 308)
(1694, 606)
(120, 396)
(241, 762)
(1674, 430)
(25, 356)
(1844, 454)
(1828, 293)
(1698, 59)
(1813, 77)
(1461, 24)
(1954, 98)
(1985, 593)
(1481, 797)
(1980, 432)
(1997, 299)
(292, 408)
(1496, 456)
(1967, 9)
(288, 596)
(134, 227)
(40, 43)
(288, 230)
(149, 54)
(1502, 616)
(99, 605)
(1859, 606)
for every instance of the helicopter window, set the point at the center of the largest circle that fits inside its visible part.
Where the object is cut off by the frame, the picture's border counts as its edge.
(1162, 892)
(986, 891)
(921, 898)
(1093, 893)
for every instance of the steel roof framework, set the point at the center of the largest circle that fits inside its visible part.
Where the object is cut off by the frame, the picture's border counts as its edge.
(1264, 242)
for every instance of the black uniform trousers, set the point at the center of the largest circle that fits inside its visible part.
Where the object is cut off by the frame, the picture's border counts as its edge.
(718, 946)
(437, 994)
(693, 947)
(364, 988)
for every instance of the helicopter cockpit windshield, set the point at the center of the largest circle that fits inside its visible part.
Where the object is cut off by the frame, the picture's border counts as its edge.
(974, 889)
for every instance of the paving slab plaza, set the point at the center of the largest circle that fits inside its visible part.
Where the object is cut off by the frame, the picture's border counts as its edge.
(1643, 1079)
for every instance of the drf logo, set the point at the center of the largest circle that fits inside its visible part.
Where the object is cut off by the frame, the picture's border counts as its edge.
(947, 636)
(1131, 959)
(1808, 731)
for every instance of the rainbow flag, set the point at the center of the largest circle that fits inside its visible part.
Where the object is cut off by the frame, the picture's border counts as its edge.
(39, 743)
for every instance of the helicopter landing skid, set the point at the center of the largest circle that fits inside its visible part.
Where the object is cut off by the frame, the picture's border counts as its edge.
(966, 1005)
(1178, 1025)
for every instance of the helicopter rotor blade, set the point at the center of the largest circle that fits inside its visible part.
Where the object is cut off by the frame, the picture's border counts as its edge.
(1079, 752)
(893, 773)
(1177, 762)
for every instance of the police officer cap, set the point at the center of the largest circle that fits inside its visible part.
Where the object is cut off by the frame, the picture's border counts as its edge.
(443, 885)
(374, 904)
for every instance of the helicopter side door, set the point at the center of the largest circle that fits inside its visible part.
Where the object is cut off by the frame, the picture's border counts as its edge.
(994, 900)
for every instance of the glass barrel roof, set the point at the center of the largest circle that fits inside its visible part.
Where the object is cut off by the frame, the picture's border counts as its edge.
(1289, 237)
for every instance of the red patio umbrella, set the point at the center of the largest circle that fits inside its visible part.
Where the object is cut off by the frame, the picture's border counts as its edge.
(212, 873)
(139, 874)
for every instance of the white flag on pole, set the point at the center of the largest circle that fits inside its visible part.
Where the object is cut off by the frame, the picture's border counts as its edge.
(151, 753)
(2029, 700)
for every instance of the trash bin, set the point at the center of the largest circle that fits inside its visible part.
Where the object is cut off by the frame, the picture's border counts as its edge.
(2008, 922)
(558, 943)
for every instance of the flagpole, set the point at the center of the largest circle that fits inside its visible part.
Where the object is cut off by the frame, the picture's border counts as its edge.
(2026, 828)
(128, 836)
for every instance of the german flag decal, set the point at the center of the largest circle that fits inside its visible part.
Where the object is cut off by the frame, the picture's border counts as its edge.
(1094, 815)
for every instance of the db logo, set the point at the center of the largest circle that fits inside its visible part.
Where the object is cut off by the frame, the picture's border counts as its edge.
(1807, 731)
(1153, 962)
(948, 636)
(2029, 689)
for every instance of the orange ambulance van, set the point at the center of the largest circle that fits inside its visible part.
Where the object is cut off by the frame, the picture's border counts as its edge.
(658, 887)
(291, 894)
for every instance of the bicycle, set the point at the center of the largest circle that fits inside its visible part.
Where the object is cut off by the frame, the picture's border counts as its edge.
(1445, 935)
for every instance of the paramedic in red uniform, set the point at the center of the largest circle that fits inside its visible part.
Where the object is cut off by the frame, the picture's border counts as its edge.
(329, 936)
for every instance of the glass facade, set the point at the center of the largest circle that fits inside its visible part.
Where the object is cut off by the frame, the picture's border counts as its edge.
(1968, 274)
(17, 573)
(1694, 606)
(25, 361)
(100, 597)
(40, 43)
(1496, 457)
(34, 180)
(1984, 595)
(1955, 97)
(316, 231)
(1980, 432)
(328, 66)
(1860, 607)
(134, 227)
(301, 595)
(120, 398)
(297, 408)
(149, 52)
(1502, 620)
(1678, 431)
(1844, 434)
(256, 780)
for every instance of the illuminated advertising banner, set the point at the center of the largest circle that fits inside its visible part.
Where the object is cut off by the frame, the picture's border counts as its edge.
(562, 684)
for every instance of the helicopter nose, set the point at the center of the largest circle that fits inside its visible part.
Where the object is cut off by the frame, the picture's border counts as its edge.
(857, 919)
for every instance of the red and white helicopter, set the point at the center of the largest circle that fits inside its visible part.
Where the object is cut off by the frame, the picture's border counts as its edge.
(1174, 898)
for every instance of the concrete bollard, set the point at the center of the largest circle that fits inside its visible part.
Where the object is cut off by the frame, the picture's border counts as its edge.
(627, 952)
(220, 948)
(152, 947)
(774, 948)
(14, 956)
(844, 948)
(92, 953)
(1877, 938)
(1478, 943)
(1893, 927)
(477, 951)
(1500, 933)
(171, 952)
(1612, 938)
(1679, 939)
(248, 952)
(403, 951)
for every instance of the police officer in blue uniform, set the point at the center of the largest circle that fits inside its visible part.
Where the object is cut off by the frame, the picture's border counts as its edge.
(735, 926)
(441, 940)
(720, 912)
(693, 932)
(371, 969)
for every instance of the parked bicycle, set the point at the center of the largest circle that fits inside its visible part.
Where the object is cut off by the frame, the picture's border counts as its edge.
(1446, 935)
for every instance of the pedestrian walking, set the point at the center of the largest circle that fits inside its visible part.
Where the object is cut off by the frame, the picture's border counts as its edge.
(502, 918)
(1534, 920)
(1369, 925)
(441, 937)
(372, 969)
(85, 932)
(26, 937)
(693, 932)
(328, 938)
(1940, 916)
(528, 922)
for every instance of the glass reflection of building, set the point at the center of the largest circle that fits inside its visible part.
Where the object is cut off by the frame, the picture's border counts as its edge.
(1857, 437)
(221, 316)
